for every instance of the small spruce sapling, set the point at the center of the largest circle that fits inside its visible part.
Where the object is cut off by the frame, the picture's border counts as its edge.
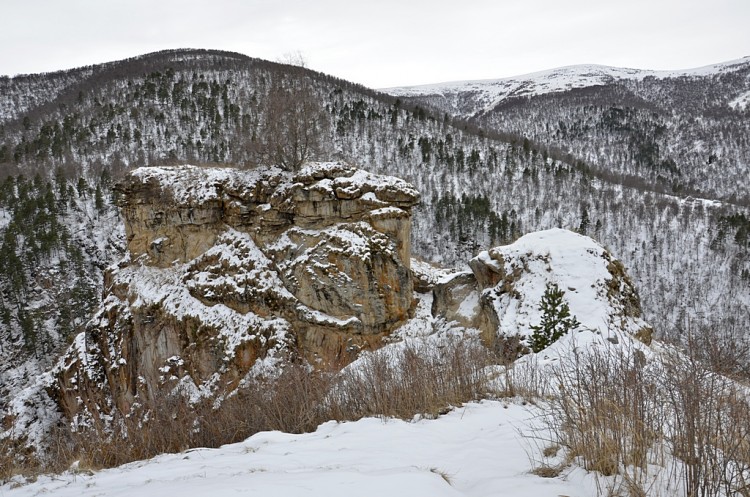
(556, 319)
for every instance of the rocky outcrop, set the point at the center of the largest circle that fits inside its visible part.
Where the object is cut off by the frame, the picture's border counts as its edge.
(175, 214)
(231, 270)
(501, 294)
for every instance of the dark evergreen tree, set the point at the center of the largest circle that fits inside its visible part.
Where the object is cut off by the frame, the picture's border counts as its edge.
(583, 228)
(556, 319)
(99, 199)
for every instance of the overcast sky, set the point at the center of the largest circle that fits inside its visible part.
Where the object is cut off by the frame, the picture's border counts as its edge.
(386, 42)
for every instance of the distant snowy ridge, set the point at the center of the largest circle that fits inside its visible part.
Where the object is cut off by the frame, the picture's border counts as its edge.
(490, 92)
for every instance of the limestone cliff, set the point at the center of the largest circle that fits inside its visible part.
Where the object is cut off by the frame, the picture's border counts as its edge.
(229, 270)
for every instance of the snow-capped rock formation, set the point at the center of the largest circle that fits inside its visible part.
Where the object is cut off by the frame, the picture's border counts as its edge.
(501, 294)
(230, 268)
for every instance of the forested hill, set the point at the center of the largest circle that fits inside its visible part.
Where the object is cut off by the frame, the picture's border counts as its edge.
(66, 137)
(681, 132)
(184, 104)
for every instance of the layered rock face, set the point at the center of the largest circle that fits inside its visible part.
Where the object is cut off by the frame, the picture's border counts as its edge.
(231, 270)
(501, 294)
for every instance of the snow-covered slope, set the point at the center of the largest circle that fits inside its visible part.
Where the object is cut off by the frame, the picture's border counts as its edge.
(488, 93)
(62, 283)
(476, 450)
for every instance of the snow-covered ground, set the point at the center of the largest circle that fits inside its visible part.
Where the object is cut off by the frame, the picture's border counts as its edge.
(480, 449)
(741, 102)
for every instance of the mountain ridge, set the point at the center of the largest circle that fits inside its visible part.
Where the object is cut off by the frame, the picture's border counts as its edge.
(681, 130)
(608, 73)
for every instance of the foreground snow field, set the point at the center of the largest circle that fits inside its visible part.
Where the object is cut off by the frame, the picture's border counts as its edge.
(476, 450)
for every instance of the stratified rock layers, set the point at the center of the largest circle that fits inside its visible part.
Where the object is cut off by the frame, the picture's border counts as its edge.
(229, 269)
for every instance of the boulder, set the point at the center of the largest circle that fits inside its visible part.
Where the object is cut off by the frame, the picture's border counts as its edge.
(502, 294)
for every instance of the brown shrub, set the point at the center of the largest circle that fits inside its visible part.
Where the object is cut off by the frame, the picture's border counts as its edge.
(414, 380)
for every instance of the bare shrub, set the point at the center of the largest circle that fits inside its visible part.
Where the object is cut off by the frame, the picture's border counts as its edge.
(415, 380)
(290, 402)
(710, 424)
(734, 443)
(165, 425)
(412, 380)
(672, 416)
(723, 351)
(16, 459)
(291, 131)
(527, 379)
(602, 412)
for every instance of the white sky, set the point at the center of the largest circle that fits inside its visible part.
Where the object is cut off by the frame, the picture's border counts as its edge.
(386, 42)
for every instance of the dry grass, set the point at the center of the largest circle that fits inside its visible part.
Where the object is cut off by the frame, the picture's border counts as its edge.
(442, 474)
(546, 471)
(551, 450)
(603, 411)
(412, 381)
(710, 432)
(621, 416)
(16, 459)
(612, 411)
(527, 380)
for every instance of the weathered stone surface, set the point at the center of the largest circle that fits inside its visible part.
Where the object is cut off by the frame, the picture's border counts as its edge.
(175, 214)
(511, 280)
(457, 299)
(228, 269)
(426, 275)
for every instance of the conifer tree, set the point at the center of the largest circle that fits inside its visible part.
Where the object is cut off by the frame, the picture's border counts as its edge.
(583, 228)
(556, 319)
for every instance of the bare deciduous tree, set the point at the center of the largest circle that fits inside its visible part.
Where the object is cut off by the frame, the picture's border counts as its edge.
(289, 133)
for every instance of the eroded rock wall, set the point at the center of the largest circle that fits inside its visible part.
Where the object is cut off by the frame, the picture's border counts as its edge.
(230, 270)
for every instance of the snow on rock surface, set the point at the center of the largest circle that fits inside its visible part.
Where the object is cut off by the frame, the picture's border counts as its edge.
(476, 450)
(511, 280)
(229, 267)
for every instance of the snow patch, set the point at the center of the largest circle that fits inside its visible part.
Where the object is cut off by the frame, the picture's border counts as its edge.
(741, 102)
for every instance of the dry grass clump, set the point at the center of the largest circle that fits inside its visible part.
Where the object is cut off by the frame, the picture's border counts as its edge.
(602, 410)
(290, 402)
(626, 417)
(547, 471)
(408, 382)
(413, 380)
(16, 459)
